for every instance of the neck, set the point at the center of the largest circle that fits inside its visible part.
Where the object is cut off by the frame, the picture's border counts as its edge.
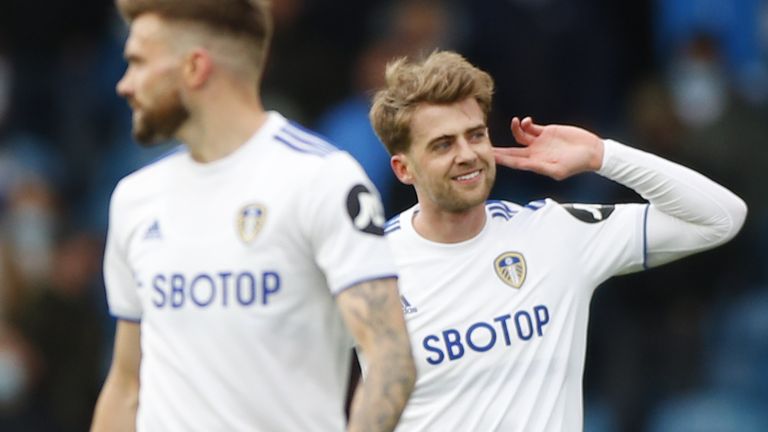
(449, 227)
(223, 123)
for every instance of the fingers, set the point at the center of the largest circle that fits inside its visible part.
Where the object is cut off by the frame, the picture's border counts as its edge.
(525, 130)
(516, 162)
(531, 128)
(512, 151)
(518, 133)
(512, 157)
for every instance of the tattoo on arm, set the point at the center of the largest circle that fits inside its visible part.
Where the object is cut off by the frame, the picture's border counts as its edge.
(373, 313)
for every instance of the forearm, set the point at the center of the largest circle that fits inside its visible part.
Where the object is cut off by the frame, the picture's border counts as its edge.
(116, 408)
(373, 313)
(382, 395)
(688, 212)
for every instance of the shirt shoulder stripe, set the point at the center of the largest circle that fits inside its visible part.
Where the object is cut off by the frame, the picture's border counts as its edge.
(500, 209)
(308, 137)
(535, 205)
(300, 147)
(392, 225)
(394, 220)
(392, 229)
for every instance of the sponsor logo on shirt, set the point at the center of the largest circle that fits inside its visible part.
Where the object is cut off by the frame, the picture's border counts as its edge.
(365, 210)
(452, 344)
(223, 289)
(511, 269)
(250, 220)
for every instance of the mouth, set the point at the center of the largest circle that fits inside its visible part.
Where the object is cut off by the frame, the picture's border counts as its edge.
(468, 177)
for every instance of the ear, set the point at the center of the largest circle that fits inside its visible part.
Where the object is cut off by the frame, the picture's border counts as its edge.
(402, 168)
(198, 66)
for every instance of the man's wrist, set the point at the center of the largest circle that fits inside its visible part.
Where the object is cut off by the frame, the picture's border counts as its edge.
(598, 155)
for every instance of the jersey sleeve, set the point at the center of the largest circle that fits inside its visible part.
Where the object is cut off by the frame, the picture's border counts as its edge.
(608, 239)
(688, 212)
(122, 295)
(346, 230)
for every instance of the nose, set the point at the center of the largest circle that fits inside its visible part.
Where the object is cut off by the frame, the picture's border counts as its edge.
(122, 88)
(465, 154)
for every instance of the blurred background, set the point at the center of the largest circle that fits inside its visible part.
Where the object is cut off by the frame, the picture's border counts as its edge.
(678, 348)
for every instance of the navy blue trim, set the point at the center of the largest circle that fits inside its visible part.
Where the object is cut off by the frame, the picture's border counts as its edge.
(390, 230)
(307, 131)
(130, 320)
(320, 144)
(500, 205)
(371, 279)
(394, 220)
(316, 152)
(392, 225)
(504, 209)
(645, 237)
(535, 205)
(499, 202)
(501, 215)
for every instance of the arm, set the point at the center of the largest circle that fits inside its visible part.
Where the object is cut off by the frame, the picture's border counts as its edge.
(119, 398)
(372, 312)
(688, 212)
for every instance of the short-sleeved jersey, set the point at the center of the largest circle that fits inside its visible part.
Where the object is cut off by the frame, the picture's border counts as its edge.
(232, 268)
(498, 323)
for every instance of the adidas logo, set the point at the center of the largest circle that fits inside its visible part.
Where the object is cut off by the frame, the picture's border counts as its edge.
(153, 232)
(407, 308)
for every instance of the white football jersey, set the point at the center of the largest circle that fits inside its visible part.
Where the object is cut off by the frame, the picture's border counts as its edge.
(231, 267)
(498, 323)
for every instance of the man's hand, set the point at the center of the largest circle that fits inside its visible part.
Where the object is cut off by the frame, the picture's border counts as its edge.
(554, 150)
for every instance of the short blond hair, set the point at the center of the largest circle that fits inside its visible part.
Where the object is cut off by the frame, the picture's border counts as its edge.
(444, 77)
(247, 20)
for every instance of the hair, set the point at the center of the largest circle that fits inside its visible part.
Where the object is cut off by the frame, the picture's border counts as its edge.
(247, 20)
(444, 77)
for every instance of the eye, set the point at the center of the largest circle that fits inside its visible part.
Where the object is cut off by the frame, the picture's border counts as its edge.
(478, 135)
(441, 145)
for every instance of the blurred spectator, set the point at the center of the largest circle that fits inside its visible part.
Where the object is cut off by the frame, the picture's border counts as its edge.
(65, 327)
(10, 286)
(17, 373)
(30, 228)
(736, 28)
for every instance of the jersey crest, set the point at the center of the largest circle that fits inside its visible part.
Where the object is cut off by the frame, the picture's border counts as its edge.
(250, 221)
(511, 269)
